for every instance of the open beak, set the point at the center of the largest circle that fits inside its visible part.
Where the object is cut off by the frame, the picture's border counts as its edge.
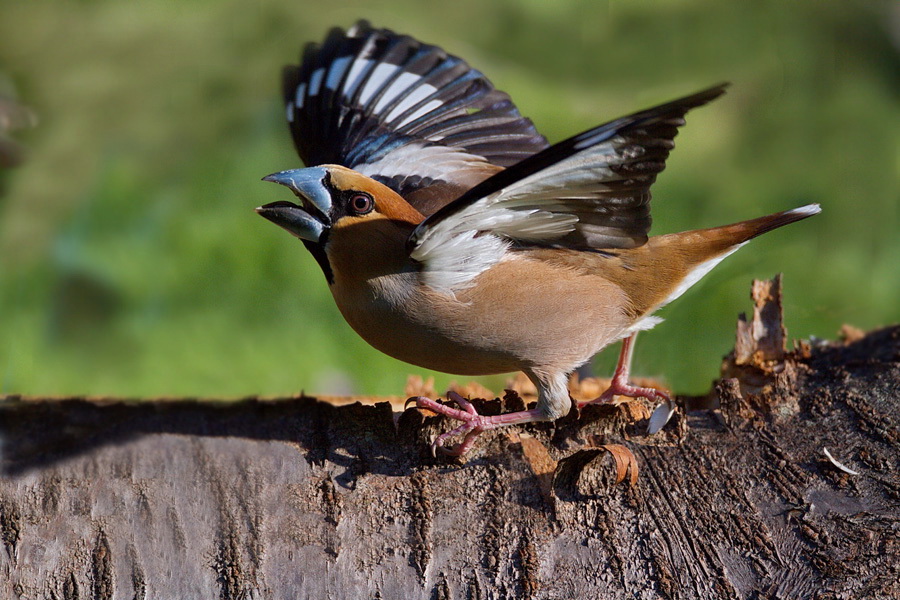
(309, 221)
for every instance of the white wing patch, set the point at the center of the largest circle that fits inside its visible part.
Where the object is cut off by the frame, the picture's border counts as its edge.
(436, 162)
(379, 76)
(457, 249)
(405, 83)
(299, 95)
(315, 81)
(535, 209)
(451, 264)
(356, 69)
(582, 176)
(416, 96)
(423, 110)
(337, 70)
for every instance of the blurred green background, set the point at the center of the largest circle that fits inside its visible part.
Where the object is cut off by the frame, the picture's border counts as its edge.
(131, 262)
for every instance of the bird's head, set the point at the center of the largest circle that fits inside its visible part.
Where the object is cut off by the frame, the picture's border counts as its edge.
(340, 207)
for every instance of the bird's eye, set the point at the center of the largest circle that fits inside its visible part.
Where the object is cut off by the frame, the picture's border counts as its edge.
(361, 203)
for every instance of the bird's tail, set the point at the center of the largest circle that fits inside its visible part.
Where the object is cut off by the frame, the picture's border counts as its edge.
(738, 233)
(680, 259)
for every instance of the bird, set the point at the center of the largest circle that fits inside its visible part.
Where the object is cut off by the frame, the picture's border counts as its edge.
(453, 236)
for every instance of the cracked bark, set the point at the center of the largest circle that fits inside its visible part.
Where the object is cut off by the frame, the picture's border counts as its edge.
(306, 498)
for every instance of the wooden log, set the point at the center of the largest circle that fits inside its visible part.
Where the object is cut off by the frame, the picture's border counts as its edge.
(300, 498)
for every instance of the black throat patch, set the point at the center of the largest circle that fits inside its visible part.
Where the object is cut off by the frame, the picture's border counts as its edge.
(317, 249)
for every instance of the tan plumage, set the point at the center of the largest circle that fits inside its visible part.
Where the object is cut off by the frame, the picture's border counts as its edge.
(536, 266)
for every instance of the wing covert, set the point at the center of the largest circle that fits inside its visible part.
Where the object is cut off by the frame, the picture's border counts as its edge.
(589, 192)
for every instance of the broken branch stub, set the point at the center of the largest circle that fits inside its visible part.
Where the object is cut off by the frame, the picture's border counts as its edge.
(761, 342)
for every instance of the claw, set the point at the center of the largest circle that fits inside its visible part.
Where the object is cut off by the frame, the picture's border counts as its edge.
(471, 427)
(473, 424)
(423, 403)
(462, 403)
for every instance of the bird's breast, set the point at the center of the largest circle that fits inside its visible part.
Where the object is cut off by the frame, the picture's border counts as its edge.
(399, 317)
(517, 315)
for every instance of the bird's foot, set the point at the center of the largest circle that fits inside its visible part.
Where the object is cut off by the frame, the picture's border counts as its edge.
(471, 428)
(620, 387)
(473, 424)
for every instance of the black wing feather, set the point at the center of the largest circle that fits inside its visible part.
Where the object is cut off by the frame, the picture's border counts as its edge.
(366, 93)
(613, 209)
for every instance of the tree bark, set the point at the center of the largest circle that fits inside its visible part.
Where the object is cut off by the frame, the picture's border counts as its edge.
(302, 498)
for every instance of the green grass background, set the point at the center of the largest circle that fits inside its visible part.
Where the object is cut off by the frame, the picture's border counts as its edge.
(131, 262)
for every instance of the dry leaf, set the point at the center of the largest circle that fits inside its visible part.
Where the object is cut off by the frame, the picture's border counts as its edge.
(416, 386)
(625, 460)
(523, 386)
(587, 389)
(850, 334)
(472, 389)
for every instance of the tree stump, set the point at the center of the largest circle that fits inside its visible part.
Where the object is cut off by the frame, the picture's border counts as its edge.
(304, 498)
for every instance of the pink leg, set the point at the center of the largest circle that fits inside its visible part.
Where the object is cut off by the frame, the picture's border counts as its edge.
(473, 423)
(620, 385)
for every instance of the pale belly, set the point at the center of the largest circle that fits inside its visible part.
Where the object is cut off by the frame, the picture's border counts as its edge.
(501, 324)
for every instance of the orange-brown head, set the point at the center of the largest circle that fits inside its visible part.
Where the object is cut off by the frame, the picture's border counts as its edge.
(343, 215)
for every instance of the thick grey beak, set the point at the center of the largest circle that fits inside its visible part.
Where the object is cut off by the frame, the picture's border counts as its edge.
(307, 222)
(308, 185)
(293, 219)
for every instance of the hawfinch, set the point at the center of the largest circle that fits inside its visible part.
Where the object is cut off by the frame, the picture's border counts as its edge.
(454, 237)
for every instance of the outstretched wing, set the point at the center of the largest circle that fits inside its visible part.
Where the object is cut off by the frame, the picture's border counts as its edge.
(589, 192)
(404, 113)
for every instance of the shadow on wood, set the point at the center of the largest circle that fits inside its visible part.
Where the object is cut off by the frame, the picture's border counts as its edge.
(38, 433)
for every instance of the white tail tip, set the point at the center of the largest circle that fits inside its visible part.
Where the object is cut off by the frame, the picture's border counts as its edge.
(806, 211)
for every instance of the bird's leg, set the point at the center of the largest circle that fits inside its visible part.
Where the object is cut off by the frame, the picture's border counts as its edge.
(473, 423)
(620, 386)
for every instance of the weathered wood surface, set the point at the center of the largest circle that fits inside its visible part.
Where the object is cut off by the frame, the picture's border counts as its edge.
(297, 498)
